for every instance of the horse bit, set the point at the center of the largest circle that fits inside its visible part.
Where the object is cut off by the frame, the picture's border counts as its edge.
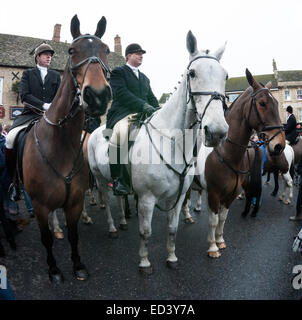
(77, 105)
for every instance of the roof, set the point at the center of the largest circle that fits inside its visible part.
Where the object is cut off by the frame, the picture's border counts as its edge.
(17, 51)
(240, 83)
(292, 75)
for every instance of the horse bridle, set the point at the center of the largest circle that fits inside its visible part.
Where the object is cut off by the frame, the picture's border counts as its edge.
(264, 127)
(77, 103)
(214, 95)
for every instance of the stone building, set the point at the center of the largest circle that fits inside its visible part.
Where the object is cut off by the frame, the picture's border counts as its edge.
(16, 55)
(287, 89)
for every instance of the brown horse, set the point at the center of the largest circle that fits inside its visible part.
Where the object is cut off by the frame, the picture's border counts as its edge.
(225, 168)
(54, 170)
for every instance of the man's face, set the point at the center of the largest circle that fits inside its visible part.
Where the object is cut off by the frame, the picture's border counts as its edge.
(135, 59)
(44, 59)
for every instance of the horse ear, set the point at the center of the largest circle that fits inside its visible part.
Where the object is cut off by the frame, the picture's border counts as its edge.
(269, 85)
(75, 27)
(251, 80)
(218, 54)
(101, 27)
(191, 43)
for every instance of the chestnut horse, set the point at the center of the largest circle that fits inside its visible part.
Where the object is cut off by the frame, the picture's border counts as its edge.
(55, 173)
(222, 170)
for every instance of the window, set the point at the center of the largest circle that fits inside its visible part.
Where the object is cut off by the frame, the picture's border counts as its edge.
(287, 95)
(299, 94)
(1, 90)
(299, 115)
(232, 97)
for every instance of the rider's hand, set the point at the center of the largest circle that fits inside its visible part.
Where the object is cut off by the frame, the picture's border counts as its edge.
(148, 109)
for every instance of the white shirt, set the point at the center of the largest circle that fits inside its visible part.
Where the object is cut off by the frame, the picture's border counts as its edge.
(43, 72)
(134, 69)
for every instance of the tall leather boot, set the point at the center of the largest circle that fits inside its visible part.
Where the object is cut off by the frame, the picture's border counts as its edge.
(120, 187)
(14, 191)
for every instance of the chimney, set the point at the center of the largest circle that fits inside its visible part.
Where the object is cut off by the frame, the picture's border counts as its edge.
(117, 45)
(275, 69)
(56, 33)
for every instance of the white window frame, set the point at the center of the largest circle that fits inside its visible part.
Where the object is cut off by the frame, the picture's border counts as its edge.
(233, 97)
(300, 94)
(299, 115)
(287, 97)
(1, 91)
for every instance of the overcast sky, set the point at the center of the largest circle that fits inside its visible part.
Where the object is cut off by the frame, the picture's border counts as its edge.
(256, 31)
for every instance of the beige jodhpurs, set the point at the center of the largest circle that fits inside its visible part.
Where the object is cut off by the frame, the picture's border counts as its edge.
(11, 136)
(120, 132)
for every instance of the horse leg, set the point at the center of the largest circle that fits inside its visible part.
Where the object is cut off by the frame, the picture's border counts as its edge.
(101, 200)
(145, 213)
(122, 204)
(85, 217)
(284, 189)
(199, 201)
(173, 219)
(219, 230)
(288, 181)
(276, 180)
(186, 208)
(54, 222)
(213, 251)
(127, 208)
(257, 205)
(248, 202)
(72, 218)
(268, 177)
(91, 196)
(41, 213)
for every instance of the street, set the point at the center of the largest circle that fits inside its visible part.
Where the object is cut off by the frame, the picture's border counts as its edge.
(256, 265)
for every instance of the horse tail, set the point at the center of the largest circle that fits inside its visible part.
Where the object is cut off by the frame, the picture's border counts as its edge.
(255, 179)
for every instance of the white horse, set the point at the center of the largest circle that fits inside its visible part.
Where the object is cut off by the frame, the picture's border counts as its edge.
(287, 178)
(195, 110)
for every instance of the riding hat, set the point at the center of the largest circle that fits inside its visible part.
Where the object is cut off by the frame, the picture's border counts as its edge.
(44, 47)
(289, 109)
(134, 48)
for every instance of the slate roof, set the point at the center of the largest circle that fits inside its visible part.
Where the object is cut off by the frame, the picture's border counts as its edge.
(240, 83)
(17, 51)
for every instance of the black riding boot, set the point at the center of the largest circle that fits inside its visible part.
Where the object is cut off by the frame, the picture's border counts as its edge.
(117, 170)
(14, 191)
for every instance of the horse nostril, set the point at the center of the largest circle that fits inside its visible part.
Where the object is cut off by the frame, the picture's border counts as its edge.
(278, 148)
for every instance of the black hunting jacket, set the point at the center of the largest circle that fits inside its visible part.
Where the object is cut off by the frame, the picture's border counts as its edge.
(129, 94)
(34, 92)
(291, 129)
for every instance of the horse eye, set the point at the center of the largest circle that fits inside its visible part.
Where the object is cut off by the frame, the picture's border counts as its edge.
(227, 77)
(262, 103)
(107, 51)
(192, 73)
(70, 51)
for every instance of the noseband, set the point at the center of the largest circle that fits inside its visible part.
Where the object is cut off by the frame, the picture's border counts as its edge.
(214, 95)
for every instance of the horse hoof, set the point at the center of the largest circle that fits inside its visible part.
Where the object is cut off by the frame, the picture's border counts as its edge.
(214, 254)
(123, 227)
(81, 274)
(197, 210)
(102, 206)
(295, 218)
(273, 194)
(56, 278)
(146, 270)
(92, 203)
(221, 245)
(87, 220)
(59, 235)
(172, 264)
(113, 235)
(287, 202)
(189, 220)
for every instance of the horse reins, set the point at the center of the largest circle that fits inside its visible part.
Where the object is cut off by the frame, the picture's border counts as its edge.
(77, 105)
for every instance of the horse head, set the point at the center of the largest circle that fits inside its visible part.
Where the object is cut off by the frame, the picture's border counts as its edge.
(88, 67)
(262, 114)
(206, 80)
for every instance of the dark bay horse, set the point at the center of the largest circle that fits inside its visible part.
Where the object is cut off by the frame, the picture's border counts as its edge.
(224, 168)
(55, 173)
